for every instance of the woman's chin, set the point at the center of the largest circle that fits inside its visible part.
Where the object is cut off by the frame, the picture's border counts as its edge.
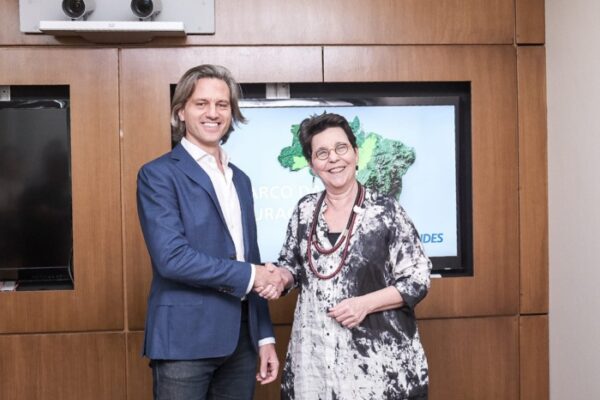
(337, 184)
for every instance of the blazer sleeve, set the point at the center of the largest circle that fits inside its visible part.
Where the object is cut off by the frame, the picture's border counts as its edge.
(172, 255)
(265, 326)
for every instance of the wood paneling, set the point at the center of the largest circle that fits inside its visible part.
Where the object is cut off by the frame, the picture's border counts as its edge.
(282, 309)
(139, 373)
(531, 21)
(97, 300)
(472, 358)
(360, 22)
(62, 366)
(493, 290)
(534, 357)
(501, 356)
(145, 110)
(533, 177)
(308, 22)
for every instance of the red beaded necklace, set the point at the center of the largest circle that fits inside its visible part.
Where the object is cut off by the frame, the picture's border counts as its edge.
(344, 239)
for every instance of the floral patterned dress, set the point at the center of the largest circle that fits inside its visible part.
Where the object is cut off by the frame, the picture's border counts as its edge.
(382, 358)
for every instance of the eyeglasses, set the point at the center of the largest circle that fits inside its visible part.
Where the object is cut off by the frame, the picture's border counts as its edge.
(340, 149)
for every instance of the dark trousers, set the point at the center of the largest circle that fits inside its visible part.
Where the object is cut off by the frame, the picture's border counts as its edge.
(220, 378)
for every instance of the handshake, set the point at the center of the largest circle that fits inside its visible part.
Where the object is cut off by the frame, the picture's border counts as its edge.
(270, 281)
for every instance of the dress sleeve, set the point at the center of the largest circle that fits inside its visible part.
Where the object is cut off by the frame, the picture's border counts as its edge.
(411, 267)
(290, 256)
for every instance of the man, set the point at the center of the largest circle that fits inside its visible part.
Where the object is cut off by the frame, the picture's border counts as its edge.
(204, 326)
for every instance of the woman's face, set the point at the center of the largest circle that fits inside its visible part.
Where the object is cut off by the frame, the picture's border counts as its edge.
(336, 166)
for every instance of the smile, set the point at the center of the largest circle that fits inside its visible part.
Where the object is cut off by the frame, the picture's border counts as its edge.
(336, 170)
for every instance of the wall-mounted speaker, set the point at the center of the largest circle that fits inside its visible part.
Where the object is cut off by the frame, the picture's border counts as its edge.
(78, 9)
(145, 9)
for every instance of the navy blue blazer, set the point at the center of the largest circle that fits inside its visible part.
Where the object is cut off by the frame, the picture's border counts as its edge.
(194, 303)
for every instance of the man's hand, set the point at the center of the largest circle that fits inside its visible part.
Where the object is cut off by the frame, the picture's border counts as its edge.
(269, 281)
(269, 364)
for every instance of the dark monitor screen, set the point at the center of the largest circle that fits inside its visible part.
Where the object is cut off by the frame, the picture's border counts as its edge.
(35, 200)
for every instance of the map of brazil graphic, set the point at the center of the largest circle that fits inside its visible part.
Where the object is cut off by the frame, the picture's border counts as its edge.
(382, 162)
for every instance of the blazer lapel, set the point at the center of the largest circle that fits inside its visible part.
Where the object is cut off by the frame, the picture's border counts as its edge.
(190, 167)
(246, 205)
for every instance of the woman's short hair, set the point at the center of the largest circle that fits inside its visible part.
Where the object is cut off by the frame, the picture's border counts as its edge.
(316, 124)
(185, 88)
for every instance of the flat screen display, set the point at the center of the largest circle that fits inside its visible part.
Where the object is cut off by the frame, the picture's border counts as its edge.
(35, 200)
(409, 147)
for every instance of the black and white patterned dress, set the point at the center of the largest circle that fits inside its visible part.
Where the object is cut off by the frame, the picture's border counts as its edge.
(382, 358)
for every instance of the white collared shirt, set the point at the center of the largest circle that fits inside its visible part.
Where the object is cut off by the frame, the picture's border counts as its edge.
(226, 194)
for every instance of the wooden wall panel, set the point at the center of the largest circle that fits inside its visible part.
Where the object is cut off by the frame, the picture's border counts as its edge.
(62, 366)
(145, 109)
(139, 374)
(493, 290)
(534, 357)
(308, 22)
(282, 309)
(97, 300)
(501, 356)
(360, 22)
(533, 177)
(531, 21)
(472, 358)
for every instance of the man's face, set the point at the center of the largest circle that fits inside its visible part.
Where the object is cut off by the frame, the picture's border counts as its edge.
(207, 113)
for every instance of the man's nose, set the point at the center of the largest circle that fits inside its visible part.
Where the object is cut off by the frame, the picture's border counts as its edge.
(212, 110)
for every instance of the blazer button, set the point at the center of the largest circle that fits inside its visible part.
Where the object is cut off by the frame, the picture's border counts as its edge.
(232, 257)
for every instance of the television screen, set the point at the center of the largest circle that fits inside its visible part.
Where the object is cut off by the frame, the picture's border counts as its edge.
(35, 200)
(411, 148)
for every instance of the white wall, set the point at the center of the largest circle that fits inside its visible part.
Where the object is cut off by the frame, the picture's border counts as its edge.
(573, 71)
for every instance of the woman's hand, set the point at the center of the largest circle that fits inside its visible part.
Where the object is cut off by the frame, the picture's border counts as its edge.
(350, 312)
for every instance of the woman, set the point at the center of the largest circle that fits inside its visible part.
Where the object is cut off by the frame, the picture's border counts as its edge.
(361, 269)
